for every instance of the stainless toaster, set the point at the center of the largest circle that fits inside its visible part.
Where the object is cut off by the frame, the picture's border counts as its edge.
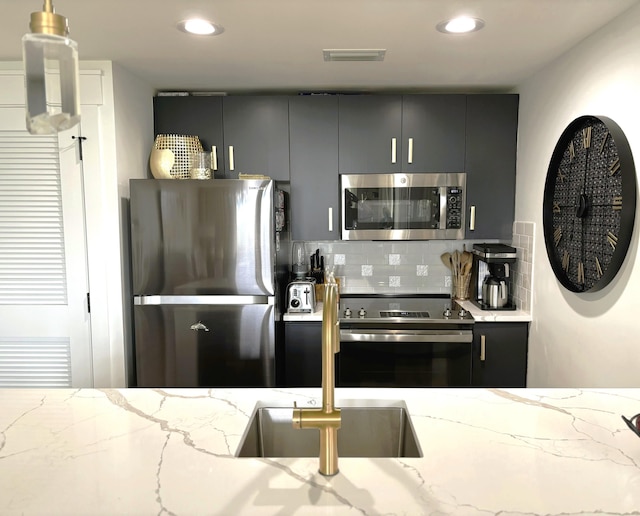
(301, 297)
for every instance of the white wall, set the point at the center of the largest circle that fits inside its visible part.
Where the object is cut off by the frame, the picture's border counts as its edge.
(581, 340)
(133, 102)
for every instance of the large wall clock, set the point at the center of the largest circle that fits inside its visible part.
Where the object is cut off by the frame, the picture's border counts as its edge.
(589, 203)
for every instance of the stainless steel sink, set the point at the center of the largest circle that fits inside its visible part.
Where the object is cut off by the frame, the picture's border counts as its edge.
(370, 428)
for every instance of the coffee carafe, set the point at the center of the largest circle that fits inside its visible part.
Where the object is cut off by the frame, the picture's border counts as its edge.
(491, 276)
(495, 292)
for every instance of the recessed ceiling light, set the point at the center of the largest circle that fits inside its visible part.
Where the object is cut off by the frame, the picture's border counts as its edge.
(460, 25)
(200, 27)
(356, 54)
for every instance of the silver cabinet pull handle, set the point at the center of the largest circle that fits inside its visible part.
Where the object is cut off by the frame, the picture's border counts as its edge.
(410, 151)
(231, 160)
(393, 150)
(483, 348)
(214, 157)
(472, 218)
(199, 326)
(330, 219)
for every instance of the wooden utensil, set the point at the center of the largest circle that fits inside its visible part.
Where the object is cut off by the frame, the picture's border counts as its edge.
(446, 259)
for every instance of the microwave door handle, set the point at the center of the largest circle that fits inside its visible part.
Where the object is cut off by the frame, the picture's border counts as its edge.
(442, 223)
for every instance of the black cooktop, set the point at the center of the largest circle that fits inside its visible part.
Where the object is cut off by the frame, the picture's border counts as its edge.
(399, 308)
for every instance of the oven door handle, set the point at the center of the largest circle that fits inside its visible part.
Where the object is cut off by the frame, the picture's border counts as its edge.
(443, 336)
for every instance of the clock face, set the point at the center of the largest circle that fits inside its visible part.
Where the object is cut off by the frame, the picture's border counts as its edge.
(589, 204)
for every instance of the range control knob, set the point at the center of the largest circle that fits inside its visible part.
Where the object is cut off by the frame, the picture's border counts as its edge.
(362, 313)
(295, 303)
(447, 312)
(462, 313)
(347, 312)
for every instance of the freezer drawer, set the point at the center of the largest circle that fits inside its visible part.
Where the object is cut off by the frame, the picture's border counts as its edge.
(188, 345)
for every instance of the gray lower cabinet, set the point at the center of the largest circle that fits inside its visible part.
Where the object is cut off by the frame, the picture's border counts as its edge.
(490, 164)
(313, 133)
(402, 133)
(500, 354)
(302, 354)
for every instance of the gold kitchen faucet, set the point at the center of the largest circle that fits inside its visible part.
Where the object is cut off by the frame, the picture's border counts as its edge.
(327, 419)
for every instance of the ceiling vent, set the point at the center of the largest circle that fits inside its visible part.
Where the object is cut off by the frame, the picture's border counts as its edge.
(358, 54)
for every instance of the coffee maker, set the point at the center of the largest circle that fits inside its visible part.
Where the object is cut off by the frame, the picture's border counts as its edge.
(491, 276)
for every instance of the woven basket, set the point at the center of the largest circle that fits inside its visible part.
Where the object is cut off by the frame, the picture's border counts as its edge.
(176, 163)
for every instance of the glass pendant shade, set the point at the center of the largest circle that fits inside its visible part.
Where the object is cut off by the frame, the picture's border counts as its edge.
(51, 78)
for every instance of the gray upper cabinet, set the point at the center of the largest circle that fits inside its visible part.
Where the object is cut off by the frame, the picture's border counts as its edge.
(256, 135)
(199, 116)
(313, 126)
(433, 133)
(490, 164)
(409, 133)
(370, 128)
(248, 134)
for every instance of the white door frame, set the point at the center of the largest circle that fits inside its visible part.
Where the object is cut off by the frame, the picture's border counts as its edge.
(102, 210)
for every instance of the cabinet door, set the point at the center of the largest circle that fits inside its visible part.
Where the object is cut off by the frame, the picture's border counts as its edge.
(492, 125)
(256, 135)
(303, 354)
(500, 354)
(200, 116)
(313, 126)
(370, 134)
(433, 133)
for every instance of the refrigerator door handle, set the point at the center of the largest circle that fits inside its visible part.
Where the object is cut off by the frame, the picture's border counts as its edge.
(203, 300)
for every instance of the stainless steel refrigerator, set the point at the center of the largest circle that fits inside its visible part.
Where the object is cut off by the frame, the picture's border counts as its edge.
(204, 281)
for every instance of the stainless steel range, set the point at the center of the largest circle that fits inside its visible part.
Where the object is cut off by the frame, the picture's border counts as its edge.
(404, 342)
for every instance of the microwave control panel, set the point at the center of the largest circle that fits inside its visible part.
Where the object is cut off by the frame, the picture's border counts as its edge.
(454, 207)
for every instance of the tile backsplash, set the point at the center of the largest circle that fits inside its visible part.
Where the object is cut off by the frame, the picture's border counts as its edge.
(522, 282)
(415, 267)
(408, 267)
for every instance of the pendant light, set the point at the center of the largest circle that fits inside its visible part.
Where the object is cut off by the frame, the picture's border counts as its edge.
(51, 73)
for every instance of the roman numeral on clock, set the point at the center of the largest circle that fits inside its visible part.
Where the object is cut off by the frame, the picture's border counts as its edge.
(580, 272)
(612, 239)
(617, 202)
(572, 151)
(560, 176)
(615, 166)
(556, 207)
(557, 235)
(565, 261)
(598, 267)
(586, 137)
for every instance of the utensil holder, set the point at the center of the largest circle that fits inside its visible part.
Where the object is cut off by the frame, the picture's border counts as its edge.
(461, 286)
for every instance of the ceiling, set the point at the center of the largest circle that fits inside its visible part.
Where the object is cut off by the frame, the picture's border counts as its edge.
(276, 45)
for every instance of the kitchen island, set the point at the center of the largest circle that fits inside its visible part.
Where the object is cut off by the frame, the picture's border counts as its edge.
(151, 451)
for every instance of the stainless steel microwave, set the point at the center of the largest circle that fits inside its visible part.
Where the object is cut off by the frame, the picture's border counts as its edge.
(403, 206)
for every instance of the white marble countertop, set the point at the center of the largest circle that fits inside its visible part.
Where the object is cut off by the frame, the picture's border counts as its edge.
(314, 316)
(480, 315)
(143, 452)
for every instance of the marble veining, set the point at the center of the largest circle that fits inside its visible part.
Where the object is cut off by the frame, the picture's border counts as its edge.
(172, 452)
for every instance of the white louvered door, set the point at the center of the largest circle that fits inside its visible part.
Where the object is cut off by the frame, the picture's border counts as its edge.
(45, 333)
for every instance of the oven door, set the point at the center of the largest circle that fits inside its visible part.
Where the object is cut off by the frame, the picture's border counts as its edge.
(405, 358)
